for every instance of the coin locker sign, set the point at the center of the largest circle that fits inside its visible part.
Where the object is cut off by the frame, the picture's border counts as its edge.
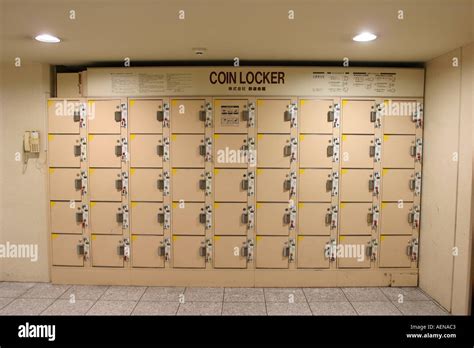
(255, 81)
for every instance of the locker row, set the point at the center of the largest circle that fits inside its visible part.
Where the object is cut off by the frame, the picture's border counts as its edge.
(278, 116)
(234, 251)
(235, 185)
(145, 218)
(231, 150)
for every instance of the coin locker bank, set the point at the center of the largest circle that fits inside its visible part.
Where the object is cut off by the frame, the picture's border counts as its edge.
(212, 176)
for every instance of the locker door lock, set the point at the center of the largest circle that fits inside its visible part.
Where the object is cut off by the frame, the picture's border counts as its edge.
(77, 150)
(374, 184)
(290, 184)
(206, 184)
(83, 248)
(208, 150)
(417, 116)
(164, 249)
(244, 218)
(121, 150)
(206, 250)
(251, 217)
(331, 217)
(81, 149)
(376, 150)
(290, 217)
(82, 215)
(123, 216)
(250, 184)
(124, 249)
(291, 115)
(371, 250)
(330, 250)
(205, 115)
(122, 115)
(166, 115)
(333, 184)
(206, 217)
(80, 115)
(77, 116)
(417, 150)
(414, 216)
(334, 115)
(412, 249)
(293, 149)
(289, 250)
(82, 183)
(415, 184)
(164, 184)
(166, 217)
(123, 184)
(247, 250)
(333, 149)
(249, 115)
(376, 115)
(251, 153)
(164, 149)
(373, 217)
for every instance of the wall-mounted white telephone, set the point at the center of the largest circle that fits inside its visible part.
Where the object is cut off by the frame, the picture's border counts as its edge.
(31, 142)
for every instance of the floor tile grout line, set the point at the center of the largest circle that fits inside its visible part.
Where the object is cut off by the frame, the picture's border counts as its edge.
(55, 299)
(179, 302)
(136, 304)
(265, 301)
(97, 300)
(307, 302)
(347, 298)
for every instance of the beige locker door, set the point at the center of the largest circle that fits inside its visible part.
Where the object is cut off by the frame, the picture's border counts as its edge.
(105, 251)
(353, 219)
(398, 114)
(145, 252)
(103, 185)
(271, 116)
(102, 151)
(354, 185)
(64, 250)
(143, 116)
(186, 252)
(270, 219)
(393, 251)
(394, 218)
(313, 149)
(396, 151)
(144, 185)
(352, 251)
(61, 116)
(312, 219)
(312, 185)
(229, 151)
(269, 252)
(228, 185)
(396, 185)
(62, 184)
(144, 151)
(185, 151)
(228, 219)
(103, 218)
(271, 151)
(144, 218)
(185, 115)
(313, 116)
(356, 151)
(185, 185)
(228, 252)
(63, 217)
(185, 219)
(311, 252)
(61, 150)
(102, 116)
(356, 116)
(229, 115)
(271, 185)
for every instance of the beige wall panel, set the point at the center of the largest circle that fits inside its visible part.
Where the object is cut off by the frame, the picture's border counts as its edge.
(63, 217)
(142, 116)
(144, 185)
(186, 252)
(228, 219)
(64, 250)
(185, 115)
(271, 116)
(227, 252)
(101, 116)
(145, 251)
(312, 219)
(313, 149)
(144, 218)
(270, 219)
(310, 252)
(61, 150)
(313, 116)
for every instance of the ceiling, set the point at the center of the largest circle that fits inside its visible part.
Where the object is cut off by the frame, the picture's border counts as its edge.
(149, 30)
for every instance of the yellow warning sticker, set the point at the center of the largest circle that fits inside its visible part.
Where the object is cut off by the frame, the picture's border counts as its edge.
(173, 171)
(93, 237)
(343, 205)
(344, 102)
(217, 102)
(93, 204)
(50, 137)
(259, 205)
(343, 171)
(134, 204)
(91, 171)
(386, 137)
(175, 205)
(341, 238)
(344, 137)
(216, 171)
(300, 238)
(301, 171)
(50, 102)
(384, 205)
(300, 205)
(132, 171)
(216, 205)
(132, 102)
(382, 238)
(302, 102)
(54, 236)
(91, 102)
(134, 237)
(259, 136)
(174, 102)
(216, 238)
(51, 170)
(216, 136)
(259, 171)
(384, 171)
(258, 238)
(301, 137)
(132, 136)
(52, 204)
(173, 137)
(175, 237)
(259, 102)
(91, 137)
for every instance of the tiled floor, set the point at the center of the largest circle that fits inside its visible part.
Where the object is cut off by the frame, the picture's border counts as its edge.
(49, 299)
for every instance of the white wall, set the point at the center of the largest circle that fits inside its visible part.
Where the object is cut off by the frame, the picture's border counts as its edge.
(447, 182)
(23, 203)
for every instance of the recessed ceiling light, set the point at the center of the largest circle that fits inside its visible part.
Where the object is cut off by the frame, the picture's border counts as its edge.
(364, 37)
(47, 38)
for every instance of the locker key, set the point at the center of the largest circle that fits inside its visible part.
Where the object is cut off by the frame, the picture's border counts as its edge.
(244, 184)
(119, 217)
(202, 150)
(118, 150)
(328, 218)
(245, 115)
(78, 184)
(79, 216)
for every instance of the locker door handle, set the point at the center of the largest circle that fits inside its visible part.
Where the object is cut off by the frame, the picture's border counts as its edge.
(330, 116)
(77, 150)
(244, 184)
(413, 151)
(412, 184)
(119, 218)
(287, 185)
(78, 184)
(77, 116)
(245, 115)
(202, 184)
(118, 150)
(287, 151)
(372, 151)
(286, 252)
(373, 116)
(202, 150)
(160, 150)
(118, 116)
(160, 184)
(328, 218)
(370, 218)
(328, 185)
(118, 184)
(202, 251)
(160, 115)
(287, 116)
(81, 250)
(161, 218)
(161, 250)
(330, 151)
(202, 115)
(244, 218)
(411, 218)
(121, 250)
(371, 185)
(202, 218)
(286, 219)
(79, 217)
